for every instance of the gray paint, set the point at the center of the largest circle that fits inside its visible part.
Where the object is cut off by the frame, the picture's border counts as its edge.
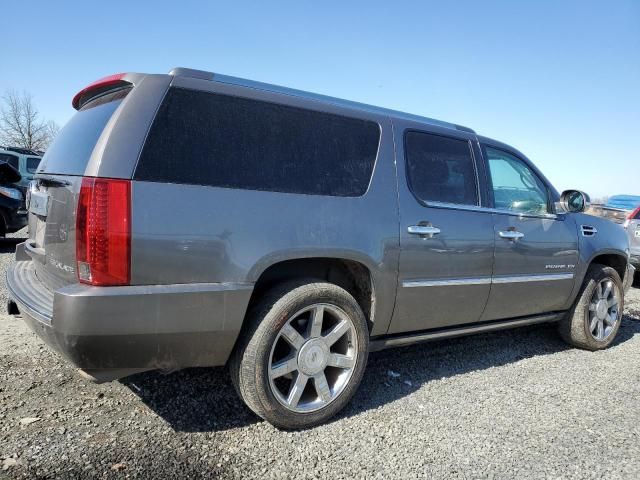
(197, 251)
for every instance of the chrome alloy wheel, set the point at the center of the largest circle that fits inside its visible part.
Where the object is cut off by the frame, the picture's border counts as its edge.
(312, 358)
(604, 309)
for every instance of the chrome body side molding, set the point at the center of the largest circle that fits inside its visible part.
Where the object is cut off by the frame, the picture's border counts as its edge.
(446, 283)
(532, 278)
(485, 280)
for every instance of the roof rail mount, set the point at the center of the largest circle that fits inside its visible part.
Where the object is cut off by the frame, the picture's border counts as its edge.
(189, 72)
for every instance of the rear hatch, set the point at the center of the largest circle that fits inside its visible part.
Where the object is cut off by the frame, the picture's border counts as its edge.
(54, 193)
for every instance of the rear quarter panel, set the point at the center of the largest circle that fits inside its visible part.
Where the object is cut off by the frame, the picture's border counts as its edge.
(194, 234)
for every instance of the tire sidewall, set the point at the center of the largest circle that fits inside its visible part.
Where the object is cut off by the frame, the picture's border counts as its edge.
(272, 323)
(599, 275)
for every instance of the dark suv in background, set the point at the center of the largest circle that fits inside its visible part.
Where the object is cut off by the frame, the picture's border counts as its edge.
(196, 219)
(13, 214)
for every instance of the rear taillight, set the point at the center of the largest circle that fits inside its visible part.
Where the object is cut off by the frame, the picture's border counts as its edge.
(103, 232)
(635, 215)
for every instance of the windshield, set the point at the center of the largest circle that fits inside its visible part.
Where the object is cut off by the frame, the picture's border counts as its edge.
(70, 151)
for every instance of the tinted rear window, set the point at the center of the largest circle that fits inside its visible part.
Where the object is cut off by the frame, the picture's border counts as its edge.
(10, 159)
(70, 151)
(223, 141)
(440, 169)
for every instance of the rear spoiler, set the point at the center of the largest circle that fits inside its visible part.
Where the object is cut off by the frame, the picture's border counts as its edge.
(98, 87)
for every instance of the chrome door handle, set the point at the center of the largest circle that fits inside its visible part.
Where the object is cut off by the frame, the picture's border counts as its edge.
(511, 234)
(423, 230)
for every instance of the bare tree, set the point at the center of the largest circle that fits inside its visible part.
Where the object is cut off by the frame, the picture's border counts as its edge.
(21, 124)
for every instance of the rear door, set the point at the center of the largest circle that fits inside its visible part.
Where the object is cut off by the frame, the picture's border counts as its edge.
(446, 240)
(536, 251)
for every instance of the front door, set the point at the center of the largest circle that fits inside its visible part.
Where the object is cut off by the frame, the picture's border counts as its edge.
(446, 241)
(536, 250)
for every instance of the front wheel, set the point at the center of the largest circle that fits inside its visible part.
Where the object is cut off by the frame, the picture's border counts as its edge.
(303, 354)
(595, 318)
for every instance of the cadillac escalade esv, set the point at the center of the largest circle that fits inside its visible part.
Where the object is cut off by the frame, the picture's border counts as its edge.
(195, 219)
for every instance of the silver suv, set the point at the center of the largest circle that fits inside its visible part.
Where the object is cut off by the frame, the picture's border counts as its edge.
(196, 219)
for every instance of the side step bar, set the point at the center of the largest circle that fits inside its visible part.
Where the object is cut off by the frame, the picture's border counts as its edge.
(389, 341)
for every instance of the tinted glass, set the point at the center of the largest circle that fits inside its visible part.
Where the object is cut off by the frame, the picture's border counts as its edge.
(440, 169)
(70, 151)
(32, 164)
(10, 159)
(515, 186)
(209, 139)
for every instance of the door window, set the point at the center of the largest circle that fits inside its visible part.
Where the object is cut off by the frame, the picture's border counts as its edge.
(440, 169)
(515, 186)
(10, 159)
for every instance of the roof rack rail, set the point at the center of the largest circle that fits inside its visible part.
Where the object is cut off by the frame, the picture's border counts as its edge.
(190, 72)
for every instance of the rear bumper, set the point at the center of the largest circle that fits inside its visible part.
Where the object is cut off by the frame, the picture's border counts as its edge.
(114, 331)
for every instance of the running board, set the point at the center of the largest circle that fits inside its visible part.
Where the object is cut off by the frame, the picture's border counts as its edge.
(389, 341)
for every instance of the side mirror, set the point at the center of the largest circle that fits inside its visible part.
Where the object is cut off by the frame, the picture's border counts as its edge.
(574, 201)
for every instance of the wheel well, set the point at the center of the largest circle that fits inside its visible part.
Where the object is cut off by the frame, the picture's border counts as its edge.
(353, 276)
(617, 262)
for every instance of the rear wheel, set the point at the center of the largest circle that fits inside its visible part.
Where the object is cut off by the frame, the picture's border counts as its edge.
(595, 318)
(303, 354)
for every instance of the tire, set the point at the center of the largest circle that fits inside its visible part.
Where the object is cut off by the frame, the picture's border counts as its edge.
(330, 372)
(576, 327)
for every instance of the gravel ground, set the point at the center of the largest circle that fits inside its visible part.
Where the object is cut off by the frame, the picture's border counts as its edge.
(504, 405)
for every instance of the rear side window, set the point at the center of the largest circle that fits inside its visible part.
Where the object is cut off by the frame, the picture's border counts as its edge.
(70, 151)
(32, 164)
(223, 141)
(11, 160)
(440, 169)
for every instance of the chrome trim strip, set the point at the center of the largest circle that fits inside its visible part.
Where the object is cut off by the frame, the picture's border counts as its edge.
(447, 283)
(475, 208)
(532, 278)
(488, 280)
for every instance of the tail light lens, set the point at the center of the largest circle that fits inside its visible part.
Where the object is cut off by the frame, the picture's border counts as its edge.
(103, 232)
(632, 216)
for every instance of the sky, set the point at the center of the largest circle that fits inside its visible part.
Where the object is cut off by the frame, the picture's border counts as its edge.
(559, 80)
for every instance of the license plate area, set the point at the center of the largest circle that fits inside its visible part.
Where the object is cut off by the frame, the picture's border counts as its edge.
(39, 203)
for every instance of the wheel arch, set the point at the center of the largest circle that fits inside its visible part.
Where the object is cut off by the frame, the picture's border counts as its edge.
(353, 275)
(611, 258)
